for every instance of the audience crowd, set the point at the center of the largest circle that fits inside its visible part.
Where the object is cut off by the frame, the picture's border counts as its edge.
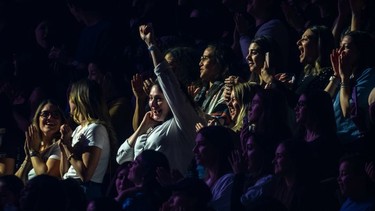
(187, 105)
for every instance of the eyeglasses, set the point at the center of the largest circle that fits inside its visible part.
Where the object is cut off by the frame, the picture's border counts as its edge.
(53, 114)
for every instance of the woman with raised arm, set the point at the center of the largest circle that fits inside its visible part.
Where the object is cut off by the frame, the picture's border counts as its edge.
(169, 126)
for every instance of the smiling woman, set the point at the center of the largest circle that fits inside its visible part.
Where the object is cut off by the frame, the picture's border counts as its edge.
(169, 126)
(41, 149)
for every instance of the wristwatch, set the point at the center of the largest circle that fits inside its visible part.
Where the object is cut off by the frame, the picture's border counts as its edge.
(33, 153)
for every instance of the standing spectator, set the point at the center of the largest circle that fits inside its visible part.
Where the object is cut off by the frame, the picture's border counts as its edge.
(351, 84)
(41, 148)
(213, 146)
(315, 116)
(86, 151)
(354, 184)
(169, 126)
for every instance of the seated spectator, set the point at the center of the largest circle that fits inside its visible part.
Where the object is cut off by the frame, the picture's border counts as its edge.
(315, 46)
(239, 104)
(315, 116)
(10, 189)
(43, 192)
(253, 171)
(41, 148)
(353, 64)
(217, 62)
(295, 184)
(354, 184)
(263, 51)
(190, 194)
(147, 194)
(213, 146)
(268, 117)
(120, 181)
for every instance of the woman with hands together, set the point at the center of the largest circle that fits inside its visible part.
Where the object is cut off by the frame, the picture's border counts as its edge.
(169, 125)
(41, 149)
(351, 84)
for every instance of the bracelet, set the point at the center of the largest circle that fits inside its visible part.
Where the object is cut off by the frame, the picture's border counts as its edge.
(152, 47)
(70, 157)
(343, 85)
(33, 153)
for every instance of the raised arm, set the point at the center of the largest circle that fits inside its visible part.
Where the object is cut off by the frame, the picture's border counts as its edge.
(178, 102)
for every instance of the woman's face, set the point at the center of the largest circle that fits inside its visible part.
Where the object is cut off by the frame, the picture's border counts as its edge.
(308, 47)
(209, 68)
(158, 104)
(281, 164)
(122, 181)
(348, 49)
(203, 151)
(255, 59)
(256, 109)
(347, 180)
(136, 171)
(50, 119)
(234, 106)
(94, 73)
(301, 110)
(252, 153)
(41, 35)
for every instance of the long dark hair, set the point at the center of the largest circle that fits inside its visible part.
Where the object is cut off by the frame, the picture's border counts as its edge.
(320, 114)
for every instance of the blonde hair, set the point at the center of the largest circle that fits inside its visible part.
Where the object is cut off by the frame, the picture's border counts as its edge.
(244, 93)
(90, 106)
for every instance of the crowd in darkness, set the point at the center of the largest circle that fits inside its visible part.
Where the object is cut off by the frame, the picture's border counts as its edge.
(187, 105)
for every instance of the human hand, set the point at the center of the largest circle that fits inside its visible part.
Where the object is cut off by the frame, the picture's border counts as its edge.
(237, 161)
(146, 33)
(198, 126)
(334, 57)
(227, 93)
(344, 66)
(137, 86)
(193, 90)
(59, 54)
(66, 134)
(148, 122)
(231, 80)
(32, 140)
(147, 84)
